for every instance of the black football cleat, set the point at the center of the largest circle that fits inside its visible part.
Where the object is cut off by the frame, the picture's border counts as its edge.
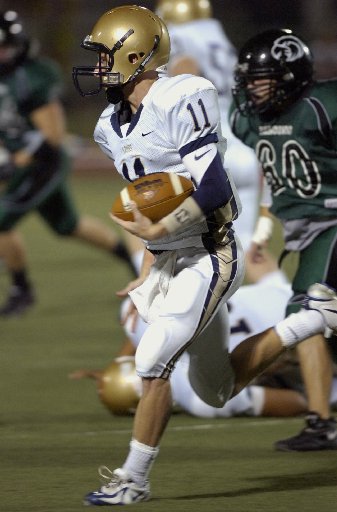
(18, 301)
(318, 434)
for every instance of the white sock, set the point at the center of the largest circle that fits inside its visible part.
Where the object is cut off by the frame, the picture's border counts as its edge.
(300, 326)
(139, 461)
(257, 394)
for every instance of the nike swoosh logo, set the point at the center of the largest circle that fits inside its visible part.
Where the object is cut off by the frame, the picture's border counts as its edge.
(196, 157)
(147, 133)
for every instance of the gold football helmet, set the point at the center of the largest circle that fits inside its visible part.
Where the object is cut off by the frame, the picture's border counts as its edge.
(128, 41)
(182, 11)
(119, 387)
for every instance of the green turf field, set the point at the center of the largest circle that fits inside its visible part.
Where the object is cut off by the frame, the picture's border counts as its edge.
(54, 432)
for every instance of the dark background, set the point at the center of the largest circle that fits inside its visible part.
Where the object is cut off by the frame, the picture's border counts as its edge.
(61, 25)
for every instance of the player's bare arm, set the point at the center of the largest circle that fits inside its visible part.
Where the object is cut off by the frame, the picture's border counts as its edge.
(49, 120)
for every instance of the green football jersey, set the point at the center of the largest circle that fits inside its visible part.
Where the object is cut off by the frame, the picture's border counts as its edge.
(298, 153)
(42, 185)
(33, 84)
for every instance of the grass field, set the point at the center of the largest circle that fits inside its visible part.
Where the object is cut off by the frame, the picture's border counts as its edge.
(54, 432)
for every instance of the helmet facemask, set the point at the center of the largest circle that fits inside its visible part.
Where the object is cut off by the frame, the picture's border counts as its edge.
(254, 97)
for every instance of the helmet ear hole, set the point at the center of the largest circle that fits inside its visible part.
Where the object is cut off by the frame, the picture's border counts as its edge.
(133, 58)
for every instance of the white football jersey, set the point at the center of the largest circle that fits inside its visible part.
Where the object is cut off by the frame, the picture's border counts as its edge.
(205, 41)
(178, 116)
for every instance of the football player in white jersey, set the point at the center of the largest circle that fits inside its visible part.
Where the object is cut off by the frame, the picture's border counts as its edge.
(194, 261)
(200, 46)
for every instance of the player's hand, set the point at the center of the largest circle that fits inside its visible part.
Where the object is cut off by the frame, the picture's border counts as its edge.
(141, 226)
(130, 317)
(132, 285)
(85, 374)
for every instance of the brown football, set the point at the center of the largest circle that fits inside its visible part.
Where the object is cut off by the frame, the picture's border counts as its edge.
(156, 195)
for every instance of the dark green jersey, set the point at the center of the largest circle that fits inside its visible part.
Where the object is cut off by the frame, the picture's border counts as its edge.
(33, 84)
(42, 185)
(298, 153)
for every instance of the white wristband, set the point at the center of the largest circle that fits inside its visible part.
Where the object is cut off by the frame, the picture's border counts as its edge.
(263, 230)
(185, 215)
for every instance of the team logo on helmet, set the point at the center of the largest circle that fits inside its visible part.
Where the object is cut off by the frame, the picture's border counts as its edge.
(287, 47)
(243, 67)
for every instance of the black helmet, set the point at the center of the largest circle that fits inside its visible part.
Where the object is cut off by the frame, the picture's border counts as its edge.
(14, 38)
(276, 54)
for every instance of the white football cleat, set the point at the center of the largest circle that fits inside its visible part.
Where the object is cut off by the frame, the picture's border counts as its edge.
(323, 298)
(120, 490)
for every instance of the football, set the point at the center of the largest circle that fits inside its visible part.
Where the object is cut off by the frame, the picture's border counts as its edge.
(156, 195)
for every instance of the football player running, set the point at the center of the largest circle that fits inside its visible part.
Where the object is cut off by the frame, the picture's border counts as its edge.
(200, 46)
(35, 166)
(291, 122)
(194, 261)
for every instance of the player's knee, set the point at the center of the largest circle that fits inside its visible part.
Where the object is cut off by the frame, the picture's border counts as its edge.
(154, 385)
(65, 231)
(150, 350)
(134, 329)
(66, 228)
(160, 342)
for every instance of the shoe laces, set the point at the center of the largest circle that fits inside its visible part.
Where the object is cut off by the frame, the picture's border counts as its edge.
(108, 478)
